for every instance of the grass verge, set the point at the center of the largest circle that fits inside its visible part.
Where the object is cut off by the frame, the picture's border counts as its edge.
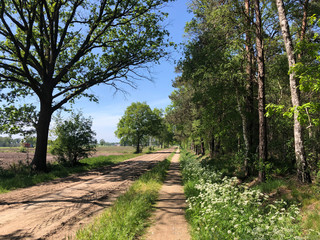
(305, 196)
(21, 176)
(128, 217)
(219, 208)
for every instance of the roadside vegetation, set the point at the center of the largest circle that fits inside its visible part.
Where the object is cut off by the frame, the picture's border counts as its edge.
(220, 207)
(128, 217)
(21, 175)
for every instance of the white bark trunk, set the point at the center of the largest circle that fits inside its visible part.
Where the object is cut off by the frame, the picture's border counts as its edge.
(302, 166)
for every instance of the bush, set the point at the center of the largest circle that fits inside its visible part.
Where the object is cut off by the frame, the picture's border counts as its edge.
(75, 139)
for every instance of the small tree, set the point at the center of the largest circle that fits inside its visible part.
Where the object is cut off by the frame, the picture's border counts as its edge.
(137, 122)
(75, 139)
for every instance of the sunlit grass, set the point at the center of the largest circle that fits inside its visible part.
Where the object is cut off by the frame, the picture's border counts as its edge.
(13, 149)
(128, 217)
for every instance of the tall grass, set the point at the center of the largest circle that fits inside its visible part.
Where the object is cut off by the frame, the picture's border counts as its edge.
(127, 218)
(20, 175)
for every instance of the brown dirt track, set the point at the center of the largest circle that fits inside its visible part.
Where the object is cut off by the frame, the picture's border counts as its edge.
(169, 218)
(57, 209)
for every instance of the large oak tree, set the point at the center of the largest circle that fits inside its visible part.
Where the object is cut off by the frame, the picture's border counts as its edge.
(56, 49)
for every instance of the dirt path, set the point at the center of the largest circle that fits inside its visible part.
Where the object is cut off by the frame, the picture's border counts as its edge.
(57, 209)
(169, 218)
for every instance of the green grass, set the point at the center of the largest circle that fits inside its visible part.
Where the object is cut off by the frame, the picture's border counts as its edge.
(128, 217)
(12, 149)
(271, 185)
(306, 196)
(20, 175)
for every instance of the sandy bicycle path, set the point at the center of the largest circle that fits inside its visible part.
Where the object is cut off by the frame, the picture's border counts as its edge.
(169, 221)
(55, 210)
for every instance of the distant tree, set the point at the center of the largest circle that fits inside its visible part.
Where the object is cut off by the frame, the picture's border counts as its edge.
(102, 142)
(75, 139)
(56, 50)
(138, 122)
(164, 132)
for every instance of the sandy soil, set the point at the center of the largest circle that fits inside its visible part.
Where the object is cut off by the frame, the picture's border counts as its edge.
(57, 209)
(169, 221)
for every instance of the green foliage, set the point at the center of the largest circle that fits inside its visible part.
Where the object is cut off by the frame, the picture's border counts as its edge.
(270, 185)
(219, 208)
(75, 139)
(14, 120)
(53, 51)
(138, 123)
(127, 218)
(9, 142)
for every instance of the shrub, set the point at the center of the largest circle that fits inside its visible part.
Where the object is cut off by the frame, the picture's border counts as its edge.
(75, 139)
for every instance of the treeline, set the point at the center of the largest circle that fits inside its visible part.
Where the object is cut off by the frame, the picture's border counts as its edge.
(16, 142)
(102, 142)
(249, 85)
(9, 142)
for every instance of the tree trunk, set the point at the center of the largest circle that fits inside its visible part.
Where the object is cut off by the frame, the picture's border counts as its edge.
(211, 146)
(203, 151)
(303, 171)
(245, 139)
(138, 145)
(304, 23)
(248, 129)
(217, 147)
(40, 155)
(261, 93)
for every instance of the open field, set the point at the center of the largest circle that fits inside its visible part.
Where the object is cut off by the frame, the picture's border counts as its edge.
(12, 155)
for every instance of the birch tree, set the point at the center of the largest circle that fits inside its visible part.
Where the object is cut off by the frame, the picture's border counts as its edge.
(303, 172)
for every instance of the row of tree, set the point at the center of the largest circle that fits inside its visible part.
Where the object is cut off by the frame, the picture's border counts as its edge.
(249, 83)
(102, 142)
(9, 142)
(17, 142)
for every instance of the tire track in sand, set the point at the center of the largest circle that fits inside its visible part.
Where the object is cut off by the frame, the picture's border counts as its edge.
(61, 209)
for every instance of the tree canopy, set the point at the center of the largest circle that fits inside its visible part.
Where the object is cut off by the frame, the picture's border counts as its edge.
(54, 51)
(137, 123)
(235, 73)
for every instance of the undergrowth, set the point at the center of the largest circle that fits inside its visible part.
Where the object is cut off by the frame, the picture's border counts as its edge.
(127, 218)
(21, 175)
(220, 208)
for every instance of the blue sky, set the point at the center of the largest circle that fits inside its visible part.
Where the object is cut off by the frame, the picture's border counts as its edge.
(111, 107)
